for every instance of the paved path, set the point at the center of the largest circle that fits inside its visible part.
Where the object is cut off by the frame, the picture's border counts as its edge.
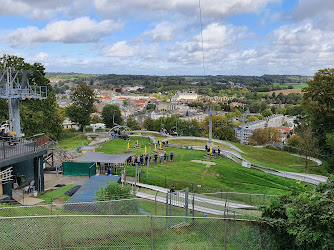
(197, 199)
(204, 139)
(181, 204)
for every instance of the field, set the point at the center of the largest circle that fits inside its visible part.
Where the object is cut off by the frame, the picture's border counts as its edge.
(225, 175)
(73, 141)
(286, 91)
(279, 160)
(295, 85)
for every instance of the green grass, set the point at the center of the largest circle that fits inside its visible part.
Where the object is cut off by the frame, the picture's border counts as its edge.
(156, 135)
(74, 141)
(119, 146)
(279, 160)
(60, 192)
(295, 85)
(134, 233)
(226, 175)
(194, 142)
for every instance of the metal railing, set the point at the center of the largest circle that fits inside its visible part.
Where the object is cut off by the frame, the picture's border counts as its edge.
(11, 148)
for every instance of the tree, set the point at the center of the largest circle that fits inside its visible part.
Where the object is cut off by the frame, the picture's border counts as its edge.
(111, 115)
(148, 124)
(308, 145)
(261, 136)
(318, 100)
(252, 118)
(133, 124)
(330, 143)
(303, 219)
(83, 98)
(96, 119)
(221, 127)
(37, 116)
(267, 112)
(115, 191)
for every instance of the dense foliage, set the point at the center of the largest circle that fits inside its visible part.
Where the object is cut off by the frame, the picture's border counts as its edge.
(319, 102)
(83, 98)
(303, 219)
(111, 115)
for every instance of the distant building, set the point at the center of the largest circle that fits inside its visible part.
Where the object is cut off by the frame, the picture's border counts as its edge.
(244, 131)
(68, 124)
(185, 96)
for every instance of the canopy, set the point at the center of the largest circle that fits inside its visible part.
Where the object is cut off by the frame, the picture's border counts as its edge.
(101, 157)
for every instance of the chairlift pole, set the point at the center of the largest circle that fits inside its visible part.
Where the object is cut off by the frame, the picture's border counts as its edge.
(148, 161)
(136, 177)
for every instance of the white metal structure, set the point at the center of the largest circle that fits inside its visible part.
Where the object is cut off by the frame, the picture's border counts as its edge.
(14, 86)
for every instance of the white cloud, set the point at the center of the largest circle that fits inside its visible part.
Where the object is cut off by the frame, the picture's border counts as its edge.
(80, 30)
(209, 8)
(166, 31)
(120, 49)
(311, 8)
(44, 9)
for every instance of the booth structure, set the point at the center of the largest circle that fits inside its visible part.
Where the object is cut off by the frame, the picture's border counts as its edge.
(88, 163)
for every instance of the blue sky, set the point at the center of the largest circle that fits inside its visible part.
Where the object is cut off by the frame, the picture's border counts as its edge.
(159, 37)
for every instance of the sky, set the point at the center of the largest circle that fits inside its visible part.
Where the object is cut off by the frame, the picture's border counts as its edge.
(171, 37)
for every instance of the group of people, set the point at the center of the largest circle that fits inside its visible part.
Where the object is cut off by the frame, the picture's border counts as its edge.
(207, 149)
(143, 159)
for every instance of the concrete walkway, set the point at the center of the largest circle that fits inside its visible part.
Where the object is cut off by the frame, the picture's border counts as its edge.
(197, 199)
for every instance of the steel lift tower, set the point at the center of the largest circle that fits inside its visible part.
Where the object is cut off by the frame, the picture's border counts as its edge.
(14, 86)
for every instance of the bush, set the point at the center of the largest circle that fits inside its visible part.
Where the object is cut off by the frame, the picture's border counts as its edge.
(116, 195)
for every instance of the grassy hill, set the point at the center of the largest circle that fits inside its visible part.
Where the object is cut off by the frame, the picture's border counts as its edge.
(225, 174)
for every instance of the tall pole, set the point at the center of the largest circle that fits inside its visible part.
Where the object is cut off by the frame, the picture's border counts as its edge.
(148, 161)
(136, 177)
(210, 128)
(242, 129)
(113, 118)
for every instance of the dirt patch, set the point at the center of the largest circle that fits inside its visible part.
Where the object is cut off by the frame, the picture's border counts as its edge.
(51, 180)
(214, 173)
(286, 91)
(59, 200)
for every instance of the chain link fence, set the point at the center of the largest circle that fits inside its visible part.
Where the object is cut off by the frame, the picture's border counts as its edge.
(227, 205)
(129, 232)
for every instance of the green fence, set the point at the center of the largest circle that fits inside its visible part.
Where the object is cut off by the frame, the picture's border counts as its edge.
(79, 168)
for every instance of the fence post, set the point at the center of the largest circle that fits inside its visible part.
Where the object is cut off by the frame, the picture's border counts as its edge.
(225, 234)
(167, 211)
(186, 202)
(152, 233)
(155, 204)
(51, 206)
(193, 203)
(59, 235)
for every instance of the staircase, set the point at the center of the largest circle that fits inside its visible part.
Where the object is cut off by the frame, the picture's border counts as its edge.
(56, 155)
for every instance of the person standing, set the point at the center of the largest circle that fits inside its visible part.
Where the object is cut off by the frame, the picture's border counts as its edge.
(171, 156)
(141, 159)
(146, 159)
(161, 158)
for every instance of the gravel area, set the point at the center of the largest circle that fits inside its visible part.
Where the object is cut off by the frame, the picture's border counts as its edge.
(51, 180)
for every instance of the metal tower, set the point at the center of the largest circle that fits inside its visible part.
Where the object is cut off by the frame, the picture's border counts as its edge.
(14, 86)
(211, 111)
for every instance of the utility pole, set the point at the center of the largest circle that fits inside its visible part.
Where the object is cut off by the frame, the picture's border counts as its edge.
(210, 126)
